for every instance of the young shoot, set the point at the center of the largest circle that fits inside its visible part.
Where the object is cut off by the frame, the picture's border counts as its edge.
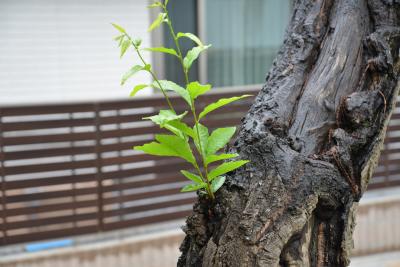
(178, 142)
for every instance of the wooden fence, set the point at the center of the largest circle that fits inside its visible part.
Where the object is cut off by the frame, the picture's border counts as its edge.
(69, 169)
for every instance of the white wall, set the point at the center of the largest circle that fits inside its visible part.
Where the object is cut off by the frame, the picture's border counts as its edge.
(158, 249)
(54, 51)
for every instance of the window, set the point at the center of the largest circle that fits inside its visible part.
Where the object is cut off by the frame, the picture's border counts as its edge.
(184, 18)
(245, 34)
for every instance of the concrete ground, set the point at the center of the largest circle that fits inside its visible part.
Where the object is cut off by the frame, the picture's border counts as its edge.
(390, 259)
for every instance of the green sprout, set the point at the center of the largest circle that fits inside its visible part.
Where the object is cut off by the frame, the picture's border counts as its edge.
(178, 143)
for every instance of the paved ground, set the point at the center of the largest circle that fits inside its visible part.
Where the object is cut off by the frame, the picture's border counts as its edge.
(391, 259)
(121, 258)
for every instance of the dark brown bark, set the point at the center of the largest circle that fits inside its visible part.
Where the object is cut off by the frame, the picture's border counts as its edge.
(313, 136)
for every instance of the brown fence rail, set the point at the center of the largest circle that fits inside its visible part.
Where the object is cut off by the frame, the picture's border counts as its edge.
(69, 169)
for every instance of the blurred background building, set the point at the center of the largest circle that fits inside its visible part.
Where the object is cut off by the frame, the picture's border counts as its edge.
(72, 192)
(63, 50)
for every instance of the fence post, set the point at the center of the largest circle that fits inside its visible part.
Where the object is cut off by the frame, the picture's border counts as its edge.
(3, 184)
(100, 218)
(73, 172)
(385, 161)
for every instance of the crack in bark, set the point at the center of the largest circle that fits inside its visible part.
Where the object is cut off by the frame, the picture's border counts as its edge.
(321, 245)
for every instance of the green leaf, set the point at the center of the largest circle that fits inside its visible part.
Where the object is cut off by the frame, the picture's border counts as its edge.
(124, 46)
(219, 138)
(192, 55)
(191, 36)
(179, 128)
(155, 4)
(119, 28)
(120, 42)
(164, 116)
(135, 69)
(169, 145)
(119, 37)
(157, 22)
(168, 85)
(137, 88)
(217, 183)
(203, 134)
(213, 158)
(147, 67)
(177, 144)
(193, 187)
(137, 42)
(176, 131)
(225, 167)
(220, 103)
(182, 127)
(195, 178)
(166, 2)
(196, 89)
(157, 149)
(163, 50)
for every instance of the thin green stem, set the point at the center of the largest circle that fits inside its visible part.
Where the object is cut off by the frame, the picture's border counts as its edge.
(209, 190)
(153, 75)
(193, 108)
(171, 29)
(157, 81)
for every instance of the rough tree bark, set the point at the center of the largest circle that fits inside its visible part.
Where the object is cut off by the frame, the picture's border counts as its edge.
(313, 136)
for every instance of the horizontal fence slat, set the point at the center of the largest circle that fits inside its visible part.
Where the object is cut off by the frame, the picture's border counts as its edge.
(389, 162)
(384, 184)
(390, 139)
(153, 206)
(33, 168)
(51, 138)
(168, 166)
(51, 234)
(50, 124)
(129, 132)
(395, 116)
(52, 220)
(387, 173)
(127, 159)
(49, 195)
(124, 118)
(51, 181)
(393, 128)
(51, 152)
(388, 151)
(51, 207)
(140, 196)
(128, 145)
(146, 220)
(46, 109)
(173, 177)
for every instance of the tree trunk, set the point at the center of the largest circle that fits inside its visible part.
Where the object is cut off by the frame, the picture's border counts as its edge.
(313, 136)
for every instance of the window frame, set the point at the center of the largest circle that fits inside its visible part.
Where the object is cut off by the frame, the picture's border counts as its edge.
(156, 39)
(201, 29)
(158, 58)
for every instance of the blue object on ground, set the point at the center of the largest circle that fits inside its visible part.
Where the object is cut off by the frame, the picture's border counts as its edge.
(33, 247)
